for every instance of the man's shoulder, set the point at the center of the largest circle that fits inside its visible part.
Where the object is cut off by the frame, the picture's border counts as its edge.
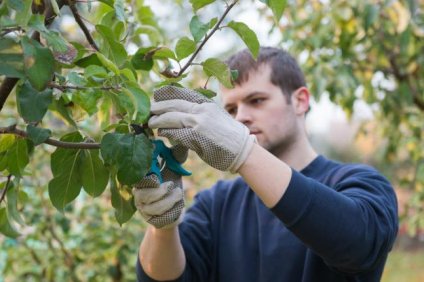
(335, 171)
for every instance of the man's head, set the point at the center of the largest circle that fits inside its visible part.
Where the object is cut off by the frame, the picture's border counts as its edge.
(285, 72)
(270, 97)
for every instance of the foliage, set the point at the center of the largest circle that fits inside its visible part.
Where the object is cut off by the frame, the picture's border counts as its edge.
(95, 89)
(69, 137)
(372, 52)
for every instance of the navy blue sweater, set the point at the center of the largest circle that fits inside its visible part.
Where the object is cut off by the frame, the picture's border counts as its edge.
(336, 222)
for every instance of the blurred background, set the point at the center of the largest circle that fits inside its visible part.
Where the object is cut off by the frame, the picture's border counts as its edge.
(364, 64)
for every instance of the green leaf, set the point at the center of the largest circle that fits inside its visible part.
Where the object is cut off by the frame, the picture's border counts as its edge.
(38, 135)
(32, 105)
(96, 72)
(370, 15)
(197, 4)
(12, 204)
(131, 154)
(3, 161)
(164, 53)
(76, 79)
(217, 68)
(152, 32)
(60, 155)
(53, 38)
(198, 29)
(65, 164)
(213, 22)
(123, 202)
(6, 141)
(60, 107)
(17, 157)
(23, 16)
(11, 58)
(65, 187)
(94, 174)
(143, 59)
(38, 62)
(247, 35)
(206, 92)
(91, 59)
(142, 107)
(15, 4)
(185, 46)
(5, 227)
(114, 49)
(128, 74)
(88, 100)
(107, 63)
(277, 7)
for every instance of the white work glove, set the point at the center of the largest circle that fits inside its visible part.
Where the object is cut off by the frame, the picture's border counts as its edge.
(191, 119)
(162, 204)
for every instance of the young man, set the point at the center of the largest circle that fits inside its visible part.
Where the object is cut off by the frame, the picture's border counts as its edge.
(293, 215)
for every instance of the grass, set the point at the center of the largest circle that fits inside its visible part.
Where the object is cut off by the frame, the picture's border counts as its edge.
(404, 266)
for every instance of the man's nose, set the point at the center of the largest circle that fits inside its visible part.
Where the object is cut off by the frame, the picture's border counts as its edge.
(243, 115)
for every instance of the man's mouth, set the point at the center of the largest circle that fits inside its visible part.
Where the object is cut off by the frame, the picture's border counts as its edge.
(254, 131)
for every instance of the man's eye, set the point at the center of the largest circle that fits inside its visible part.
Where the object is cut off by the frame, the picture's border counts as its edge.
(232, 111)
(257, 101)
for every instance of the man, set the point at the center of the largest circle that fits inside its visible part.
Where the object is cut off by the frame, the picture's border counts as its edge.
(293, 215)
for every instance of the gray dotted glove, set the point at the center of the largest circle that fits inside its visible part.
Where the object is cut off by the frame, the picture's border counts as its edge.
(196, 122)
(161, 204)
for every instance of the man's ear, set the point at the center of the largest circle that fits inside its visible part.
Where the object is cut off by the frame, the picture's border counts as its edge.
(300, 99)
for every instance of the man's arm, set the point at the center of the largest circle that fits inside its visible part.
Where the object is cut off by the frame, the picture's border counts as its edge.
(161, 254)
(267, 175)
(352, 226)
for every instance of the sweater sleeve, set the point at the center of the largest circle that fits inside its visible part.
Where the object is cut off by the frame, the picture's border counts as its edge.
(351, 225)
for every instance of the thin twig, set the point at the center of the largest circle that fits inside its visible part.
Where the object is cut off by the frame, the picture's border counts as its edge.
(78, 19)
(53, 142)
(216, 27)
(3, 194)
(65, 87)
(9, 30)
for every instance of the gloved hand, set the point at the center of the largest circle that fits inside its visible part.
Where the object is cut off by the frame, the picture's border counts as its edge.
(161, 204)
(191, 119)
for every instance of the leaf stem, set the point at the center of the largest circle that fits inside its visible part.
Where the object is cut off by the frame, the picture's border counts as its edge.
(78, 19)
(3, 194)
(207, 37)
(53, 142)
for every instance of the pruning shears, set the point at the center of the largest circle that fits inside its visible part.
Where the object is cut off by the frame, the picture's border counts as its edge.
(162, 157)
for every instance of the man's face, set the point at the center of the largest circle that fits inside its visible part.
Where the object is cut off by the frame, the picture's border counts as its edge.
(263, 108)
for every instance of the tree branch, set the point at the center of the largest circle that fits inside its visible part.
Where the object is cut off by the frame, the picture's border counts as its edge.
(5, 89)
(9, 30)
(64, 87)
(216, 27)
(78, 19)
(53, 142)
(3, 194)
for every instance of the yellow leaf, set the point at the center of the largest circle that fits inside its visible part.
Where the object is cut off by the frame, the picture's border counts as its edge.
(400, 15)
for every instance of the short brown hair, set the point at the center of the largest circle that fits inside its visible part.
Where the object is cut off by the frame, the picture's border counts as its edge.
(285, 72)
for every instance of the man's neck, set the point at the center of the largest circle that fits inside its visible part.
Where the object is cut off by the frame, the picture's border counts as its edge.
(299, 155)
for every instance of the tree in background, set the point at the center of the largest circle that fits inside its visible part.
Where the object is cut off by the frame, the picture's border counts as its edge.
(370, 51)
